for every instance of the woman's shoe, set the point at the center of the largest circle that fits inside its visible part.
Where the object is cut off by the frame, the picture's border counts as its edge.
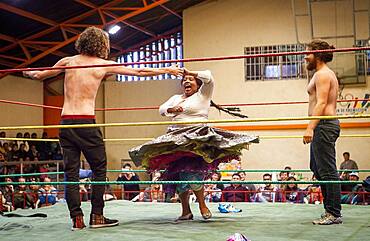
(207, 215)
(186, 217)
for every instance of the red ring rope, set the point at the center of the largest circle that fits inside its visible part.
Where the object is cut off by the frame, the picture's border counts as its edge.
(190, 59)
(156, 107)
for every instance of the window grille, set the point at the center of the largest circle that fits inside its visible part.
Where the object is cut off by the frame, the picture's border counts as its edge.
(169, 48)
(274, 67)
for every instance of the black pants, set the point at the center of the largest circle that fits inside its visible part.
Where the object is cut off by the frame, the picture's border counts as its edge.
(89, 141)
(323, 163)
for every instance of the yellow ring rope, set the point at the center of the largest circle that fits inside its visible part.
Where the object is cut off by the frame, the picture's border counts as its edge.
(155, 123)
(149, 139)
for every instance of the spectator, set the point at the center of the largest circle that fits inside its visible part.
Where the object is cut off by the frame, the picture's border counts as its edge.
(13, 154)
(34, 136)
(47, 193)
(2, 150)
(28, 167)
(7, 193)
(22, 152)
(5, 206)
(351, 196)
(216, 176)
(26, 142)
(314, 195)
(32, 153)
(3, 169)
(290, 174)
(235, 192)
(348, 164)
(251, 187)
(129, 190)
(44, 169)
(34, 190)
(22, 198)
(153, 193)
(212, 193)
(283, 176)
(44, 148)
(7, 150)
(84, 192)
(3, 135)
(108, 194)
(19, 142)
(291, 193)
(267, 192)
(58, 154)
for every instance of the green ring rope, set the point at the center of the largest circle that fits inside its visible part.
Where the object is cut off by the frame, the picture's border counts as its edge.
(142, 171)
(181, 182)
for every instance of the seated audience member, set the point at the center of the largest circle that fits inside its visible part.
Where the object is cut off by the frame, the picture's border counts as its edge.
(7, 192)
(365, 197)
(28, 167)
(84, 192)
(22, 198)
(44, 148)
(352, 196)
(314, 195)
(267, 192)
(283, 176)
(35, 143)
(33, 190)
(7, 151)
(216, 176)
(2, 149)
(291, 193)
(57, 155)
(3, 168)
(5, 206)
(14, 153)
(251, 187)
(129, 190)
(212, 193)
(153, 193)
(108, 193)
(48, 194)
(44, 169)
(289, 171)
(235, 192)
(32, 153)
(19, 142)
(3, 135)
(85, 174)
(26, 142)
(22, 152)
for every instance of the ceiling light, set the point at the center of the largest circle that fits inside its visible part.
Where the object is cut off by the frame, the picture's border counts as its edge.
(114, 29)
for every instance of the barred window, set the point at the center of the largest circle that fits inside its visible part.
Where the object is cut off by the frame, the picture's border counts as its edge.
(169, 48)
(274, 67)
(363, 58)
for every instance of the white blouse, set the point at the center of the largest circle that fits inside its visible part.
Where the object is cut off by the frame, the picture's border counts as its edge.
(196, 106)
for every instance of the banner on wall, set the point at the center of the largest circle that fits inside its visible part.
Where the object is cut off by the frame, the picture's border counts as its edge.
(354, 107)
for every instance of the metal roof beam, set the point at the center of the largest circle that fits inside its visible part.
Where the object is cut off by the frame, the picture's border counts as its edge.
(26, 14)
(74, 38)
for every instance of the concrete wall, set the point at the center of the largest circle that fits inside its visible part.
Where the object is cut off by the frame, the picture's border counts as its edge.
(23, 90)
(220, 28)
(226, 27)
(217, 28)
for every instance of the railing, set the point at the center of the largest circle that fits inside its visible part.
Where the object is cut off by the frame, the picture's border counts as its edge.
(23, 163)
(314, 197)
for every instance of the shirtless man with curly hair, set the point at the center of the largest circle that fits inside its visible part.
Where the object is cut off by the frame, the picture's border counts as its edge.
(80, 90)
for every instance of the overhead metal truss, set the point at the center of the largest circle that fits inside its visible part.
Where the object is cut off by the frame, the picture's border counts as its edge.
(71, 28)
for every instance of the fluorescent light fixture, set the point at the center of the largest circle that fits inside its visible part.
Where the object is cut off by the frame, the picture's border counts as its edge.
(114, 29)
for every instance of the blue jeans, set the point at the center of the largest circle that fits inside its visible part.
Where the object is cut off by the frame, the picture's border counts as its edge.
(323, 163)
